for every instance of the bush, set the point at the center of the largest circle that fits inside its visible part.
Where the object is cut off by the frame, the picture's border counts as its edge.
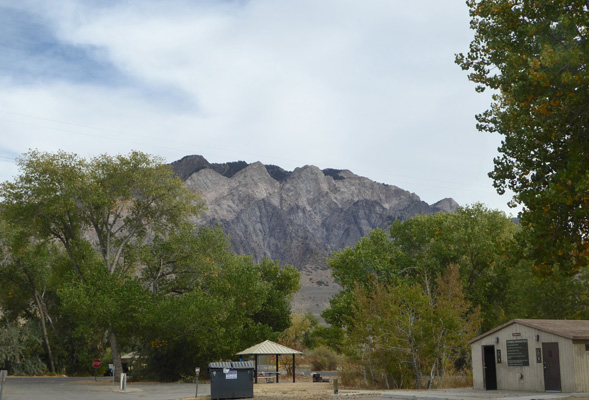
(20, 347)
(323, 359)
(351, 376)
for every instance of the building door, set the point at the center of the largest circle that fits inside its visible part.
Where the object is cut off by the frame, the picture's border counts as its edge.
(551, 367)
(489, 368)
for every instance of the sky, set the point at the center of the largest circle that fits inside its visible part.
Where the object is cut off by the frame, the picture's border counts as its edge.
(370, 86)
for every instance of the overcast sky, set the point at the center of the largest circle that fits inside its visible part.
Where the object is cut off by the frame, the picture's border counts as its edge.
(370, 86)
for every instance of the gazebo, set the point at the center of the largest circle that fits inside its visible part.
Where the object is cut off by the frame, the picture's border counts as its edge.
(269, 348)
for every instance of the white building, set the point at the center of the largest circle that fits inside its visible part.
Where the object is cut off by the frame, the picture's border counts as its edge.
(533, 355)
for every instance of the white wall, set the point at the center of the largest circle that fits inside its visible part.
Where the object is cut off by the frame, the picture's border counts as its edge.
(530, 378)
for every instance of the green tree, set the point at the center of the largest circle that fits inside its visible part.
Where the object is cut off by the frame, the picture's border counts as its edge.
(283, 283)
(373, 257)
(208, 303)
(419, 250)
(19, 349)
(454, 323)
(105, 302)
(530, 294)
(300, 328)
(201, 260)
(534, 56)
(105, 204)
(385, 334)
(402, 333)
(182, 260)
(218, 317)
(25, 272)
(130, 268)
(474, 238)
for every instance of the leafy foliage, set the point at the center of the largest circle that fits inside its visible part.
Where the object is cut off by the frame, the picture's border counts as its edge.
(297, 335)
(412, 298)
(120, 200)
(323, 359)
(419, 250)
(20, 348)
(25, 271)
(215, 320)
(534, 55)
(130, 268)
(401, 333)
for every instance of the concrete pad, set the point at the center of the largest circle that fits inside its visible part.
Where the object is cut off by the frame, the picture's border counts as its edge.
(473, 394)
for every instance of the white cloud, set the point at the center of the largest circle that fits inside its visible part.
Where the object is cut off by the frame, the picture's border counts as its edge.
(367, 86)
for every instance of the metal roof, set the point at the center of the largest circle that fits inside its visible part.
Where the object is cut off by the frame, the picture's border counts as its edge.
(268, 347)
(571, 329)
(232, 365)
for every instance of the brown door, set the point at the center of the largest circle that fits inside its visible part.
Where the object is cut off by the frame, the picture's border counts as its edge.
(551, 367)
(489, 368)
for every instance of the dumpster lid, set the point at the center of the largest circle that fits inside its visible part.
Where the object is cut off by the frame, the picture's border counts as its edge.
(232, 365)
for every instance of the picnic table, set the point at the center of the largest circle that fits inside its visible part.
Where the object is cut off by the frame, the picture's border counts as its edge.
(268, 376)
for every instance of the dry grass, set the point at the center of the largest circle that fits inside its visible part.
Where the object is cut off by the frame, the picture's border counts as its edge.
(303, 389)
(293, 391)
(454, 381)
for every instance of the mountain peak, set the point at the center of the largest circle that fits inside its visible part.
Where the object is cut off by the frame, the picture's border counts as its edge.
(299, 217)
(447, 205)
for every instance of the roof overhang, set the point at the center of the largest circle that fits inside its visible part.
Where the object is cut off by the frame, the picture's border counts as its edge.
(570, 329)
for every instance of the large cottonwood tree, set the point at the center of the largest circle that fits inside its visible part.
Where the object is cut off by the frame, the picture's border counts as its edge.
(533, 55)
(105, 204)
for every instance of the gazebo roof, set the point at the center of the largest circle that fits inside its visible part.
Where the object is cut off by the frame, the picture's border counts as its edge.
(268, 347)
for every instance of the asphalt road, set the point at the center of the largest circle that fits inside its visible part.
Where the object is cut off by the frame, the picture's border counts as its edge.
(103, 389)
(89, 389)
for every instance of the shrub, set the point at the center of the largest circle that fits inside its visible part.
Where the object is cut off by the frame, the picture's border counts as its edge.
(323, 359)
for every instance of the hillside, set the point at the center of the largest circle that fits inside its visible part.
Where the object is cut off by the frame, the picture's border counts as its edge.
(299, 217)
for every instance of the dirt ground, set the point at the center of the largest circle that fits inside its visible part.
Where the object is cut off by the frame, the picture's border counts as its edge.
(303, 389)
(293, 391)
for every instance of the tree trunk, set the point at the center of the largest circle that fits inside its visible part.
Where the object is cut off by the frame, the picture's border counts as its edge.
(371, 368)
(417, 371)
(44, 329)
(414, 352)
(386, 380)
(116, 355)
(430, 383)
(364, 375)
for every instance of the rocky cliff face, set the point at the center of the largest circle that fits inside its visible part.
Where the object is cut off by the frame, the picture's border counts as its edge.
(298, 217)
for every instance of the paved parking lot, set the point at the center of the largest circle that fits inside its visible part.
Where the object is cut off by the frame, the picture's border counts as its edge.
(104, 389)
(89, 389)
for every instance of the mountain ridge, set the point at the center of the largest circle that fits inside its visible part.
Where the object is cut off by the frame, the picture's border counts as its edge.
(299, 217)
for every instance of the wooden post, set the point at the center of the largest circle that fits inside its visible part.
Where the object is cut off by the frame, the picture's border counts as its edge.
(293, 368)
(256, 368)
(277, 368)
(3, 374)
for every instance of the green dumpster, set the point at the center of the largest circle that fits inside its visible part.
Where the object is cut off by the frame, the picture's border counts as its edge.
(232, 380)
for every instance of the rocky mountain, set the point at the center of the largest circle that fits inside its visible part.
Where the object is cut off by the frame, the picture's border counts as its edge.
(299, 217)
